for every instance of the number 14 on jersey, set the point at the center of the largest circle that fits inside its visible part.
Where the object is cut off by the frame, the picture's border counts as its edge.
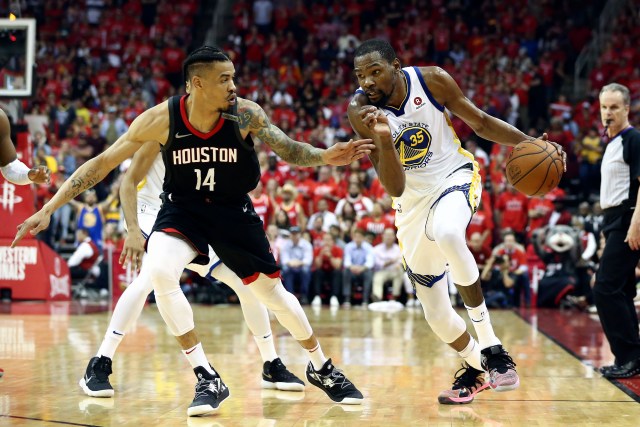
(209, 179)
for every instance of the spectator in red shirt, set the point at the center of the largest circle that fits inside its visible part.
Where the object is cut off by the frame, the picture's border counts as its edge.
(512, 211)
(325, 189)
(375, 224)
(291, 207)
(482, 224)
(327, 269)
(518, 268)
(540, 209)
(262, 205)
(173, 56)
(481, 253)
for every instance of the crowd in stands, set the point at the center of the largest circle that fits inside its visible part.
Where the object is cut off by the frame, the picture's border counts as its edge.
(100, 63)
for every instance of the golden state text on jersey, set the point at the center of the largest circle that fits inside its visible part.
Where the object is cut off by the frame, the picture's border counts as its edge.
(412, 142)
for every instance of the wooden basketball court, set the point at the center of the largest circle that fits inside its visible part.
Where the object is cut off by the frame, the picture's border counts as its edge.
(394, 358)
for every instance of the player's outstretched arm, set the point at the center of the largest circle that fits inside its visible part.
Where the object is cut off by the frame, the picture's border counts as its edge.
(369, 122)
(13, 169)
(447, 93)
(254, 120)
(133, 248)
(152, 125)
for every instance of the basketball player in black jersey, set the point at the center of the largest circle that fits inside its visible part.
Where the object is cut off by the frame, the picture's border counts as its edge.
(210, 166)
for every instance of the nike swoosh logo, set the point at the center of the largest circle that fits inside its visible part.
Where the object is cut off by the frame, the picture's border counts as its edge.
(117, 333)
(190, 351)
(267, 375)
(178, 136)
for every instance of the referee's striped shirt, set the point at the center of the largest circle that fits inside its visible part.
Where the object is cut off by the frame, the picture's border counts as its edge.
(621, 169)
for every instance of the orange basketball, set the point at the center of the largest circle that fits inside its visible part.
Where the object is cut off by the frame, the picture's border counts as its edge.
(534, 167)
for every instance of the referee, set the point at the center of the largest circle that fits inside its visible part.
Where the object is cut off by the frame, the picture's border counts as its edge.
(615, 286)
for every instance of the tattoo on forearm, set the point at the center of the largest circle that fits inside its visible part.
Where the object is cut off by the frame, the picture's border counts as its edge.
(255, 120)
(81, 183)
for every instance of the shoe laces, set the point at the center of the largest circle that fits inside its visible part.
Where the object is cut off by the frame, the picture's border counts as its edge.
(335, 378)
(467, 377)
(501, 362)
(205, 386)
(102, 369)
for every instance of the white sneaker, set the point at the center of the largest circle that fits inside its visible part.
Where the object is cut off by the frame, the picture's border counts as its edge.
(317, 302)
(333, 302)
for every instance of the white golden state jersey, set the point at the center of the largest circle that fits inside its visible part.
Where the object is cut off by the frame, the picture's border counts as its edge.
(428, 147)
(150, 187)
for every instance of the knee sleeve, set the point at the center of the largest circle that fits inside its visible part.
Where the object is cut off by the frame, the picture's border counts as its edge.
(166, 259)
(442, 318)
(167, 256)
(284, 305)
(176, 312)
(450, 222)
(255, 313)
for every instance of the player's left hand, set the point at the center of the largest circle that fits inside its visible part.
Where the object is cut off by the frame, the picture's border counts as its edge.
(35, 223)
(633, 236)
(39, 175)
(559, 148)
(376, 120)
(344, 153)
(133, 249)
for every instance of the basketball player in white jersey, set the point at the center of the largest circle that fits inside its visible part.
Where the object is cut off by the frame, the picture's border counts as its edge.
(147, 172)
(436, 186)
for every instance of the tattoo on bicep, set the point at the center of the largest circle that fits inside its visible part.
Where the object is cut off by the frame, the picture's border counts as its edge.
(255, 120)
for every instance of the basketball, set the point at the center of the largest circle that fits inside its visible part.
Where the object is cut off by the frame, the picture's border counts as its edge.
(534, 167)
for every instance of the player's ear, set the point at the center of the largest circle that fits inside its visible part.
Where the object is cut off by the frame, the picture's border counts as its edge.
(396, 64)
(196, 82)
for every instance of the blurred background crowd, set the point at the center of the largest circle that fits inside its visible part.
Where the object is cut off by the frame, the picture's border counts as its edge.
(102, 62)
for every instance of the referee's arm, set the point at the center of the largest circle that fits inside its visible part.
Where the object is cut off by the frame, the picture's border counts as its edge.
(633, 235)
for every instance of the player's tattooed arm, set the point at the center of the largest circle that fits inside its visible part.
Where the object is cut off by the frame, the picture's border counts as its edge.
(254, 120)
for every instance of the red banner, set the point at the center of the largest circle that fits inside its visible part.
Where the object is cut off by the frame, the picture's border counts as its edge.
(33, 271)
(16, 201)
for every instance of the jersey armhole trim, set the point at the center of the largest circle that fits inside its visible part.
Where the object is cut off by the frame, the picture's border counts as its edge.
(236, 126)
(427, 91)
(172, 124)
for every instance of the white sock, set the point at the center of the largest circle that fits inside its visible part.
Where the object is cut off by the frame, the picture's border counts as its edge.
(471, 354)
(317, 357)
(482, 323)
(196, 357)
(110, 343)
(266, 347)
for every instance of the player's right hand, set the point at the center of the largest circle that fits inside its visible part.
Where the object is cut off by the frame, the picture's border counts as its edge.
(39, 175)
(35, 223)
(133, 249)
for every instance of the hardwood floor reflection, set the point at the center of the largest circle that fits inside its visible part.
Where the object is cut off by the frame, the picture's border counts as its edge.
(395, 360)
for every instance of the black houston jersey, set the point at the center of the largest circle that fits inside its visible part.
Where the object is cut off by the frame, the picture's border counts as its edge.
(215, 164)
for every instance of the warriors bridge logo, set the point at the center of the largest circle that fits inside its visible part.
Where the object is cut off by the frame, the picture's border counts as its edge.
(412, 141)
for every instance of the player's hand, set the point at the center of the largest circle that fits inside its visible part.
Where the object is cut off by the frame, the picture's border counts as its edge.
(633, 236)
(344, 153)
(376, 120)
(39, 175)
(559, 148)
(133, 249)
(34, 224)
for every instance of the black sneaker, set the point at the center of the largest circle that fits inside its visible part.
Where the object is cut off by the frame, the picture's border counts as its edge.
(501, 368)
(467, 382)
(276, 376)
(333, 382)
(95, 382)
(210, 393)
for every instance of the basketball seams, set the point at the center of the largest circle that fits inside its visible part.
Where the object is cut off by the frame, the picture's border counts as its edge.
(529, 171)
(540, 177)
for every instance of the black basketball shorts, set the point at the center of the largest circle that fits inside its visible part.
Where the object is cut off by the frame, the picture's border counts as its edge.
(231, 227)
